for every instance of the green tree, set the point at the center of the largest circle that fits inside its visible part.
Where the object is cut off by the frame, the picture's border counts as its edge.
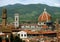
(11, 38)
(17, 39)
(23, 41)
(0, 39)
(7, 39)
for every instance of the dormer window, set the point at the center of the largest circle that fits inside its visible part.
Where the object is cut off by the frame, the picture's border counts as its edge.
(23, 34)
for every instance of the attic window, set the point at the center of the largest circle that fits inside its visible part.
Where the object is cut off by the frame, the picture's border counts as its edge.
(24, 34)
(16, 19)
(21, 34)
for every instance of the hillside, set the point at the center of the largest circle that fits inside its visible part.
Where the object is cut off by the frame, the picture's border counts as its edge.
(30, 12)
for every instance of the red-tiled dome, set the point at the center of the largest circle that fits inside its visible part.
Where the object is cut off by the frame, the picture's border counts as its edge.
(44, 17)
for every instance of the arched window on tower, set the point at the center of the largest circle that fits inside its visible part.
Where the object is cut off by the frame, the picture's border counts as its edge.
(16, 19)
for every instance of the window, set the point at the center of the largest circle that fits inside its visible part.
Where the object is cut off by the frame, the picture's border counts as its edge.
(16, 23)
(16, 19)
(21, 34)
(24, 34)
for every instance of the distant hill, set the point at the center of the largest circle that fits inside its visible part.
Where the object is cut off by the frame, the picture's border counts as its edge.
(30, 12)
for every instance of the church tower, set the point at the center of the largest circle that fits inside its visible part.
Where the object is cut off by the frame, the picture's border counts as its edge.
(16, 24)
(5, 27)
(4, 17)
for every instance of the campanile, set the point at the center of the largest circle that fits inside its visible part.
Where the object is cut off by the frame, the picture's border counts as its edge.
(4, 17)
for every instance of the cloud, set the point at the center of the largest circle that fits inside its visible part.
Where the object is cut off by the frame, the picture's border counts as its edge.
(57, 4)
(48, 2)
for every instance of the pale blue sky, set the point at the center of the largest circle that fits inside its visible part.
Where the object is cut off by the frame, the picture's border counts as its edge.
(48, 2)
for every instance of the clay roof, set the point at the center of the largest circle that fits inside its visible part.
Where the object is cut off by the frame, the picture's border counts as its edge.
(2, 34)
(44, 26)
(39, 32)
(29, 24)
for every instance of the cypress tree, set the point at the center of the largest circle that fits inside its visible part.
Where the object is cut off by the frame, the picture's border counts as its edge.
(17, 39)
(0, 39)
(11, 38)
(7, 40)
